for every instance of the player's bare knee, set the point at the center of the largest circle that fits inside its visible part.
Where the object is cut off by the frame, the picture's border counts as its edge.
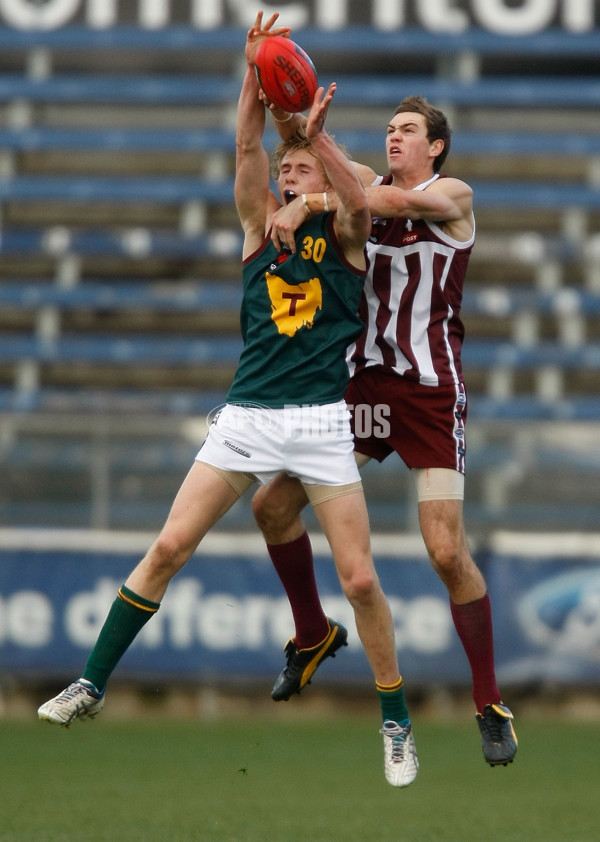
(450, 564)
(360, 587)
(272, 513)
(167, 556)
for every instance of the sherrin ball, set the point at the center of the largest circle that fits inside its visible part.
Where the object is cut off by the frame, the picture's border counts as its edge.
(286, 74)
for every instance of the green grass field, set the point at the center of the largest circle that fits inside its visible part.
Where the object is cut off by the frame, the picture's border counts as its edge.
(274, 781)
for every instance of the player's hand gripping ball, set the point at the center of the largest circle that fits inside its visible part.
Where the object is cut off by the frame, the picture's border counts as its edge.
(286, 74)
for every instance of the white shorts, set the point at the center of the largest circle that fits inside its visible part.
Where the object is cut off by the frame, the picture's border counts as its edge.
(312, 443)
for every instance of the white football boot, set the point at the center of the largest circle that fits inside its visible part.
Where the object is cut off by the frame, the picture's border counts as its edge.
(401, 763)
(79, 700)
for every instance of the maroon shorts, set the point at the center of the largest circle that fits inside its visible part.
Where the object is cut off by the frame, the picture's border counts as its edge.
(425, 425)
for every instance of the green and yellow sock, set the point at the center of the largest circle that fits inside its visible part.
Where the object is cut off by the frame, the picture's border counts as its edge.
(392, 701)
(128, 615)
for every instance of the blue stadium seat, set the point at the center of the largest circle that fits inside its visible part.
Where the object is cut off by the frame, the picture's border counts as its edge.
(182, 139)
(225, 295)
(509, 302)
(347, 42)
(139, 242)
(382, 91)
(116, 88)
(176, 190)
(481, 142)
(125, 349)
(183, 350)
(489, 354)
(76, 401)
(159, 189)
(141, 296)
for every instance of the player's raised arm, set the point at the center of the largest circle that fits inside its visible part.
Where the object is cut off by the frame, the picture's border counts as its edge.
(352, 220)
(287, 123)
(252, 161)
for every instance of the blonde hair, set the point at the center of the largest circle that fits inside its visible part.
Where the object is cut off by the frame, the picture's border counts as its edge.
(298, 141)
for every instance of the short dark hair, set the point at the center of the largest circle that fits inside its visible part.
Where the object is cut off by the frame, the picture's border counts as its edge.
(438, 127)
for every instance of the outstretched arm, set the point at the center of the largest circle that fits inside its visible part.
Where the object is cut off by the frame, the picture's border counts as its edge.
(448, 201)
(287, 123)
(287, 219)
(352, 220)
(445, 200)
(252, 161)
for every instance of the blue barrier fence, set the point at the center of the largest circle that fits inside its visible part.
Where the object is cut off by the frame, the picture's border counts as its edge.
(225, 617)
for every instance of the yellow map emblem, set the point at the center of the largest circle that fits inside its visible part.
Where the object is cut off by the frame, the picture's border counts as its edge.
(294, 305)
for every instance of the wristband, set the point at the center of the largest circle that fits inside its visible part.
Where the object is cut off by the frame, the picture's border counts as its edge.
(325, 203)
(305, 204)
(285, 120)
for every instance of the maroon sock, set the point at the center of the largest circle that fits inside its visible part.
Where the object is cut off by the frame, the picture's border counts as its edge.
(473, 623)
(294, 565)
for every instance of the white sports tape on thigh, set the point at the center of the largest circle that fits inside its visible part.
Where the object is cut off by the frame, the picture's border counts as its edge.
(438, 484)
(321, 493)
(238, 481)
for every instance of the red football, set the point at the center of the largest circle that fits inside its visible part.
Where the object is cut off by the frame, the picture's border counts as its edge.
(286, 74)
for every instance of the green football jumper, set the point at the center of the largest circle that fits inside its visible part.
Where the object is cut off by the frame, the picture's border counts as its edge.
(299, 314)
